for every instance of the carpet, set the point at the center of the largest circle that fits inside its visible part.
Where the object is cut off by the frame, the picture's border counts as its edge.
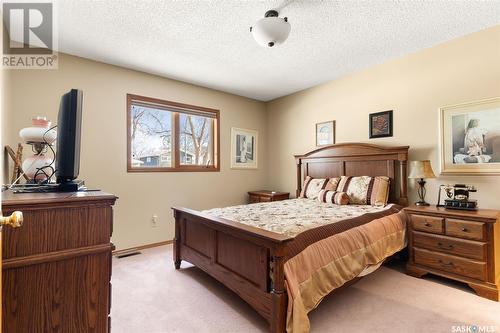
(150, 296)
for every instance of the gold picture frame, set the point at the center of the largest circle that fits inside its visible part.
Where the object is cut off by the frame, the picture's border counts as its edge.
(470, 138)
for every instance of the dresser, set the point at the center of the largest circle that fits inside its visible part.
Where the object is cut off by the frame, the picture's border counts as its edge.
(57, 265)
(267, 196)
(460, 245)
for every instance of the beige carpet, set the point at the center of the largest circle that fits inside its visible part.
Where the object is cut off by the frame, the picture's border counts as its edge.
(150, 296)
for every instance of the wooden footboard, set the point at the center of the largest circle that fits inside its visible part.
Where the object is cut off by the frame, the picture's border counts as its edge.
(247, 260)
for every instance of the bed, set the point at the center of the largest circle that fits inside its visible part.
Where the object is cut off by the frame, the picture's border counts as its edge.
(251, 261)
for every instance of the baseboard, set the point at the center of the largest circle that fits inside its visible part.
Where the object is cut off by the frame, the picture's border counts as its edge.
(142, 247)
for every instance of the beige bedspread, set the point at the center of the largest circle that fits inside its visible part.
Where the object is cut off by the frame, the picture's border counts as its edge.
(332, 245)
(329, 263)
(291, 217)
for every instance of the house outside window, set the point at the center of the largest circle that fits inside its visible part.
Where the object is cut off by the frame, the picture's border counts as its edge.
(170, 136)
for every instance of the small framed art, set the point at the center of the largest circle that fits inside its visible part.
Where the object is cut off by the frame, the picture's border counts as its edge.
(243, 148)
(325, 133)
(380, 124)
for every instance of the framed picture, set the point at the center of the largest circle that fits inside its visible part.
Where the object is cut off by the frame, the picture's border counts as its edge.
(470, 138)
(243, 148)
(325, 133)
(380, 124)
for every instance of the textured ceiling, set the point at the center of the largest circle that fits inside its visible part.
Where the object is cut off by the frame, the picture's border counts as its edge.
(208, 42)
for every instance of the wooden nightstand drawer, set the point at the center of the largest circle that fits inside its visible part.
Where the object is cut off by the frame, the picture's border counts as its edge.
(464, 248)
(459, 245)
(267, 196)
(449, 263)
(427, 223)
(253, 198)
(465, 229)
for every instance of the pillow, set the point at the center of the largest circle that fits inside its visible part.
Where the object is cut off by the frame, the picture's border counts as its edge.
(380, 191)
(332, 184)
(338, 198)
(312, 186)
(365, 190)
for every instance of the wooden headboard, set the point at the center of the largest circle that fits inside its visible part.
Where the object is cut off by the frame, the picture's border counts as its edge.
(357, 159)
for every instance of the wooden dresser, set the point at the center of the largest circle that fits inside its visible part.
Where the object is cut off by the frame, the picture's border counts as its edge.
(460, 245)
(267, 196)
(57, 266)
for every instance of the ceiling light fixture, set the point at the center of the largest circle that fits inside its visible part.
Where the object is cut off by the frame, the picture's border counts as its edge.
(271, 30)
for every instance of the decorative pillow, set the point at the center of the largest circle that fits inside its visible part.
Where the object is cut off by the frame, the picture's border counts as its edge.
(366, 190)
(312, 186)
(332, 184)
(380, 191)
(338, 198)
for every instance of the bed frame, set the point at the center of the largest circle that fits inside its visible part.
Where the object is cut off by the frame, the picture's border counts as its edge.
(250, 261)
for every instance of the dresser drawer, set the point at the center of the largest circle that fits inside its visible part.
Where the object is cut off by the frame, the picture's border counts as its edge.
(460, 247)
(465, 229)
(427, 223)
(449, 263)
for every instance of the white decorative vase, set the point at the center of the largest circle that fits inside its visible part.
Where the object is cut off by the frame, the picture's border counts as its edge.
(33, 163)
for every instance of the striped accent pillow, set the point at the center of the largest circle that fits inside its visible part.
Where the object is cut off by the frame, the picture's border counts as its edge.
(338, 198)
(312, 186)
(332, 184)
(366, 190)
(380, 191)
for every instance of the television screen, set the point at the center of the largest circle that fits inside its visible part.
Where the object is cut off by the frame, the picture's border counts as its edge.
(69, 124)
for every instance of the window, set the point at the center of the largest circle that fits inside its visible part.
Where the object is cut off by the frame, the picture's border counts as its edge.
(169, 136)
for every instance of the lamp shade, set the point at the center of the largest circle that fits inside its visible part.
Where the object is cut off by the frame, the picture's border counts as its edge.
(421, 169)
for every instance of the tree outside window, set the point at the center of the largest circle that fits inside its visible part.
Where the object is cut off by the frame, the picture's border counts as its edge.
(168, 136)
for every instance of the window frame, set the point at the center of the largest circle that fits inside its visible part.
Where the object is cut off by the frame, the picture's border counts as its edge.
(176, 109)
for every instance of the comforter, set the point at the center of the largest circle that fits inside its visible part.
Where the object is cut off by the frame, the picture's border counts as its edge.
(332, 245)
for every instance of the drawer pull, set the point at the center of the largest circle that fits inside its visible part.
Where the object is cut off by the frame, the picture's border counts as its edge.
(464, 229)
(427, 224)
(444, 263)
(450, 246)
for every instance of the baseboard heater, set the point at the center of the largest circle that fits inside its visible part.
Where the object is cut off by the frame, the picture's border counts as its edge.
(127, 253)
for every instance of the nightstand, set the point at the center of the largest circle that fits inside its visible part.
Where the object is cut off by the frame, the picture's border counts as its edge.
(267, 196)
(460, 245)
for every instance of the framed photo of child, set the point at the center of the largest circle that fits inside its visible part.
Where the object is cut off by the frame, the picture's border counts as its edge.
(470, 138)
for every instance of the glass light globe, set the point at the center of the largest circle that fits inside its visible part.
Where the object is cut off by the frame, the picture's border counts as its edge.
(271, 31)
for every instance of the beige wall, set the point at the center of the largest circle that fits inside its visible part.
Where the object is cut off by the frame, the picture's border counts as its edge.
(103, 158)
(414, 86)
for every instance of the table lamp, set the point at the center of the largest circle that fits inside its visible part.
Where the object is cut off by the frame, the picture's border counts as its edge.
(421, 170)
(40, 136)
